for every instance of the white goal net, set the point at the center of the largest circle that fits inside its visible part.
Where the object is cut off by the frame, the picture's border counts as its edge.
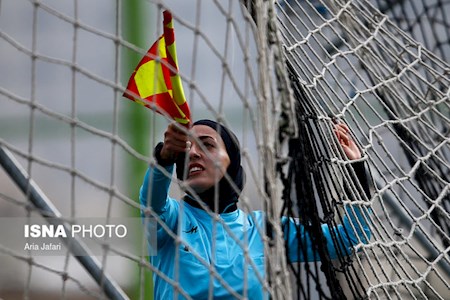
(278, 74)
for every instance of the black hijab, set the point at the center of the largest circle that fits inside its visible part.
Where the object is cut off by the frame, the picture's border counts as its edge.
(228, 196)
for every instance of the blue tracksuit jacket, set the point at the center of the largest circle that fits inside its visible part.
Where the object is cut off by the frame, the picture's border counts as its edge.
(207, 247)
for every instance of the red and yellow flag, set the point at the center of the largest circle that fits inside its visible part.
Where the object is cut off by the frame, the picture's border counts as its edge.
(155, 83)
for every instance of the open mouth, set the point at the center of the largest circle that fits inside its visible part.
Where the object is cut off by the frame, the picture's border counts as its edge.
(195, 169)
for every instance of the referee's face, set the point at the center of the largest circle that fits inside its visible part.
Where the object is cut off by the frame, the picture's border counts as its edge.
(208, 159)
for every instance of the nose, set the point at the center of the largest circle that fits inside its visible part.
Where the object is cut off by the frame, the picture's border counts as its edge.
(194, 151)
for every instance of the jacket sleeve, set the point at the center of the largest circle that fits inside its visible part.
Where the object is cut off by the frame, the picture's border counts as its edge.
(154, 194)
(340, 239)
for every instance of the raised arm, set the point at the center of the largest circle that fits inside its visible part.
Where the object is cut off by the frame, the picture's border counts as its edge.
(154, 192)
(158, 184)
(341, 238)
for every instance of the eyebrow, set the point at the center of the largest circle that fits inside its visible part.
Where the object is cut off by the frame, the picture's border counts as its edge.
(205, 137)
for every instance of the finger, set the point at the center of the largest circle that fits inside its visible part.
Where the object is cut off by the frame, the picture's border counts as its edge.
(343, 129)
(343, 133)
(174, 143)
(338, 135)
(342, 126)
(179, 138)
(343, 137)
(173, 150)
(172, 133)
(175, 128)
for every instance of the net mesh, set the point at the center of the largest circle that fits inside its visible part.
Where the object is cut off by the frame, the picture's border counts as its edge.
(284, 72)
(350, 61)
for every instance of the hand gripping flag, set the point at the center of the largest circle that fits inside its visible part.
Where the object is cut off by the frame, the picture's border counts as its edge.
(155, 83)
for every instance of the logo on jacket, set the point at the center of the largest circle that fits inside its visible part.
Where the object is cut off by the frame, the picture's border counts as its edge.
(192, 230)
